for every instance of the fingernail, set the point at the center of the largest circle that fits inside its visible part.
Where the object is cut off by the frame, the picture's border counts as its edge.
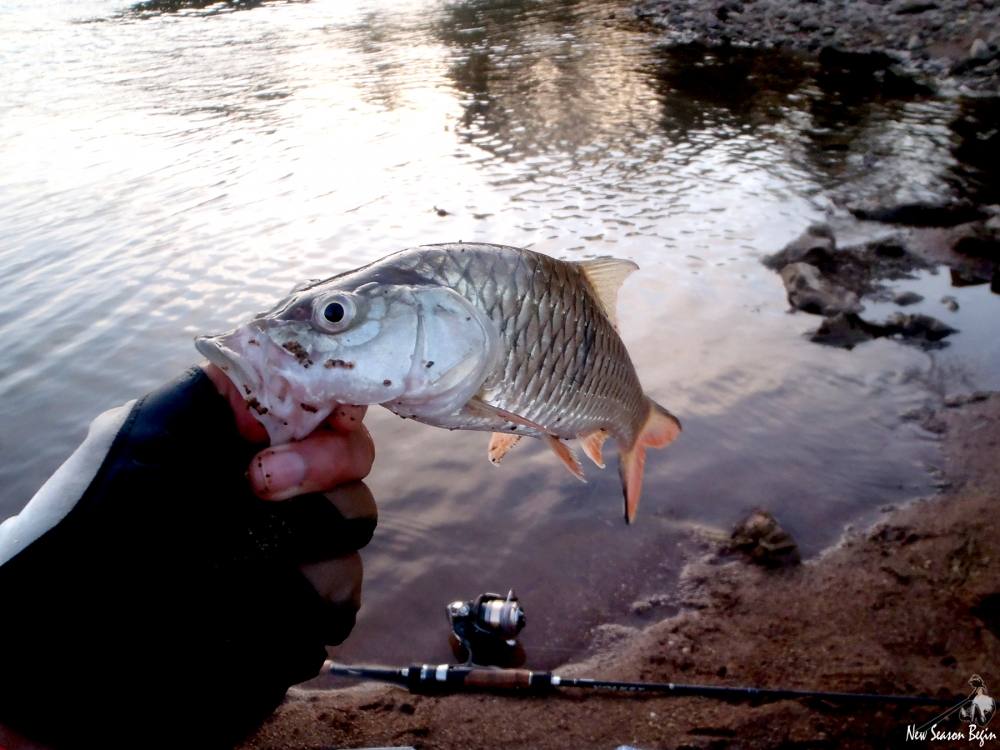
(279, 470)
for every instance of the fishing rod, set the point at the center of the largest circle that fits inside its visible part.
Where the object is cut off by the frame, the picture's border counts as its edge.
(450, 678)
(487, 627)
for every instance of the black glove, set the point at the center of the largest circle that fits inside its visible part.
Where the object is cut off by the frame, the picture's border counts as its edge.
(167, 607)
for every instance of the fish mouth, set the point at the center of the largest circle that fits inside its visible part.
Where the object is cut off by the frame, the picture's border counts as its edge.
(285, 405)
(216, 351)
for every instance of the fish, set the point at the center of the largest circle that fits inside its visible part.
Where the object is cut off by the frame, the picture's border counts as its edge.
(468, 336)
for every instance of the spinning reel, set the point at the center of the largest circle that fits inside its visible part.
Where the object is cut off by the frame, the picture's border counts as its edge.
(486, 629)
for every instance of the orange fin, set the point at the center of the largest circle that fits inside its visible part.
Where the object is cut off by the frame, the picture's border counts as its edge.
(592, 443)
(500, 443)
(477, 406)
(566, 456)
(659, 430)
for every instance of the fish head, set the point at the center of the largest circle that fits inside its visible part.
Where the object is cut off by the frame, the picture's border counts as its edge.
(352, 341)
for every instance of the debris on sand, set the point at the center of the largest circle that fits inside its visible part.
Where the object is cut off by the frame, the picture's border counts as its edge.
(764, 542)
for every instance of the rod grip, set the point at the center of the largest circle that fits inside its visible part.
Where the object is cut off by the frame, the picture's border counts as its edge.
(498, 679)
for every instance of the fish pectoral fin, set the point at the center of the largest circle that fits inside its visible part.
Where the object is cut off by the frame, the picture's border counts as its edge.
(476, 405)
(592, 443)
(500, 443)
(605, 277)
(566, 456)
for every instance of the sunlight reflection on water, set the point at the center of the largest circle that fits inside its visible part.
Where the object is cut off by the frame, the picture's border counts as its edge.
(167, 174)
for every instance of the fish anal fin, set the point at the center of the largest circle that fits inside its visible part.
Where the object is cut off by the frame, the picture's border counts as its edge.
(500, 443)
(605, 277)
(566, 456)
(592, 443)
(659, 430)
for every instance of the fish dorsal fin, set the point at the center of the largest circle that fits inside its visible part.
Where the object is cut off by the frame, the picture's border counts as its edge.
(605, 276)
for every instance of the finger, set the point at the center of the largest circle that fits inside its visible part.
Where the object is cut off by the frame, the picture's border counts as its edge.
(354, 501)
(338, 582)
(346, 418)
(315, 526)
(320, 462)
(249, 428)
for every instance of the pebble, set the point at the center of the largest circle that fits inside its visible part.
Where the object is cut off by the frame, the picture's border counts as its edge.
(979, 50)
(907, 298)
(950, 302)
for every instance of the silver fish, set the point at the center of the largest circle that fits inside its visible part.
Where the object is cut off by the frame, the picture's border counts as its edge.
(465, 336)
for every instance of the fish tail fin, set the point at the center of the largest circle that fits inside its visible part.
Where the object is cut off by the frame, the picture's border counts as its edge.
(659, 430)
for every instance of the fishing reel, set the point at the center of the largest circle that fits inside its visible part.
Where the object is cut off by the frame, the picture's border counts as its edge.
(486, 629)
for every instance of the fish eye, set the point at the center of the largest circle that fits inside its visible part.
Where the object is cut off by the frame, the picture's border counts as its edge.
(333, 312)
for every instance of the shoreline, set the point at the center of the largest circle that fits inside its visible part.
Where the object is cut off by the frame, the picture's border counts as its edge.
(953, 44)
(909, 606)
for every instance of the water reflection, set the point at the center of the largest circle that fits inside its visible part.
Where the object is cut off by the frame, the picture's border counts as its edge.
(168, 177)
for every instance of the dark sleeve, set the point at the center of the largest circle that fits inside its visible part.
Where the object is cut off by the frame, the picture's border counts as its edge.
(166, 607)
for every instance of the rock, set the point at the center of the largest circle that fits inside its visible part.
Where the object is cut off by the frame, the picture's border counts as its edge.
(946, 213)
(761, 539)
(950, 302)
(913, 7)
(847, 331)
(810, 292)
(907, 298)
(922, 327)
(979, 245)
(961, 399)
(814, 246)
(967, 277)
(913, 42)
(980, 50)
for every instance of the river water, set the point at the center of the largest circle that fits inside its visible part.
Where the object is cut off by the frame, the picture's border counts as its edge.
(164, 174)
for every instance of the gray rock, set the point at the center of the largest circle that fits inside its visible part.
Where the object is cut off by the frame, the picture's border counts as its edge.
(814, 246)
(810, 292)
(980, 50)
(918, 326)
(943, 213)
(846, 331)
(911, 7)
(907, 298)
(950, 302)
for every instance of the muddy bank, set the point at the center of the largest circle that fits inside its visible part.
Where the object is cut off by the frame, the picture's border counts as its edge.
(909, 606)
(953, 42)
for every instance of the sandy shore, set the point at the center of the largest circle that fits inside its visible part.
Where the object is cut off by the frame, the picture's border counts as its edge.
(910, 606)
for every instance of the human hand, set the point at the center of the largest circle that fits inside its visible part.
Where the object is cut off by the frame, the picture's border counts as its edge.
(169, 604)
(331, 460)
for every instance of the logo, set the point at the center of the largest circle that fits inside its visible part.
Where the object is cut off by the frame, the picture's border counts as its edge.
(965, 721)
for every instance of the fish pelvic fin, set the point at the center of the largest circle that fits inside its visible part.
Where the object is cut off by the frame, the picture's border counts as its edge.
(500, 443)
(592, 443)
(605, 277)
(659, 430)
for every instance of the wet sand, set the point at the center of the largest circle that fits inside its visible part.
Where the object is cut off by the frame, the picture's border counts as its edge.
(908, 606)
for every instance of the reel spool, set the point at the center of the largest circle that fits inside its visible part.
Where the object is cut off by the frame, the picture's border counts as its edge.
(487, 627)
